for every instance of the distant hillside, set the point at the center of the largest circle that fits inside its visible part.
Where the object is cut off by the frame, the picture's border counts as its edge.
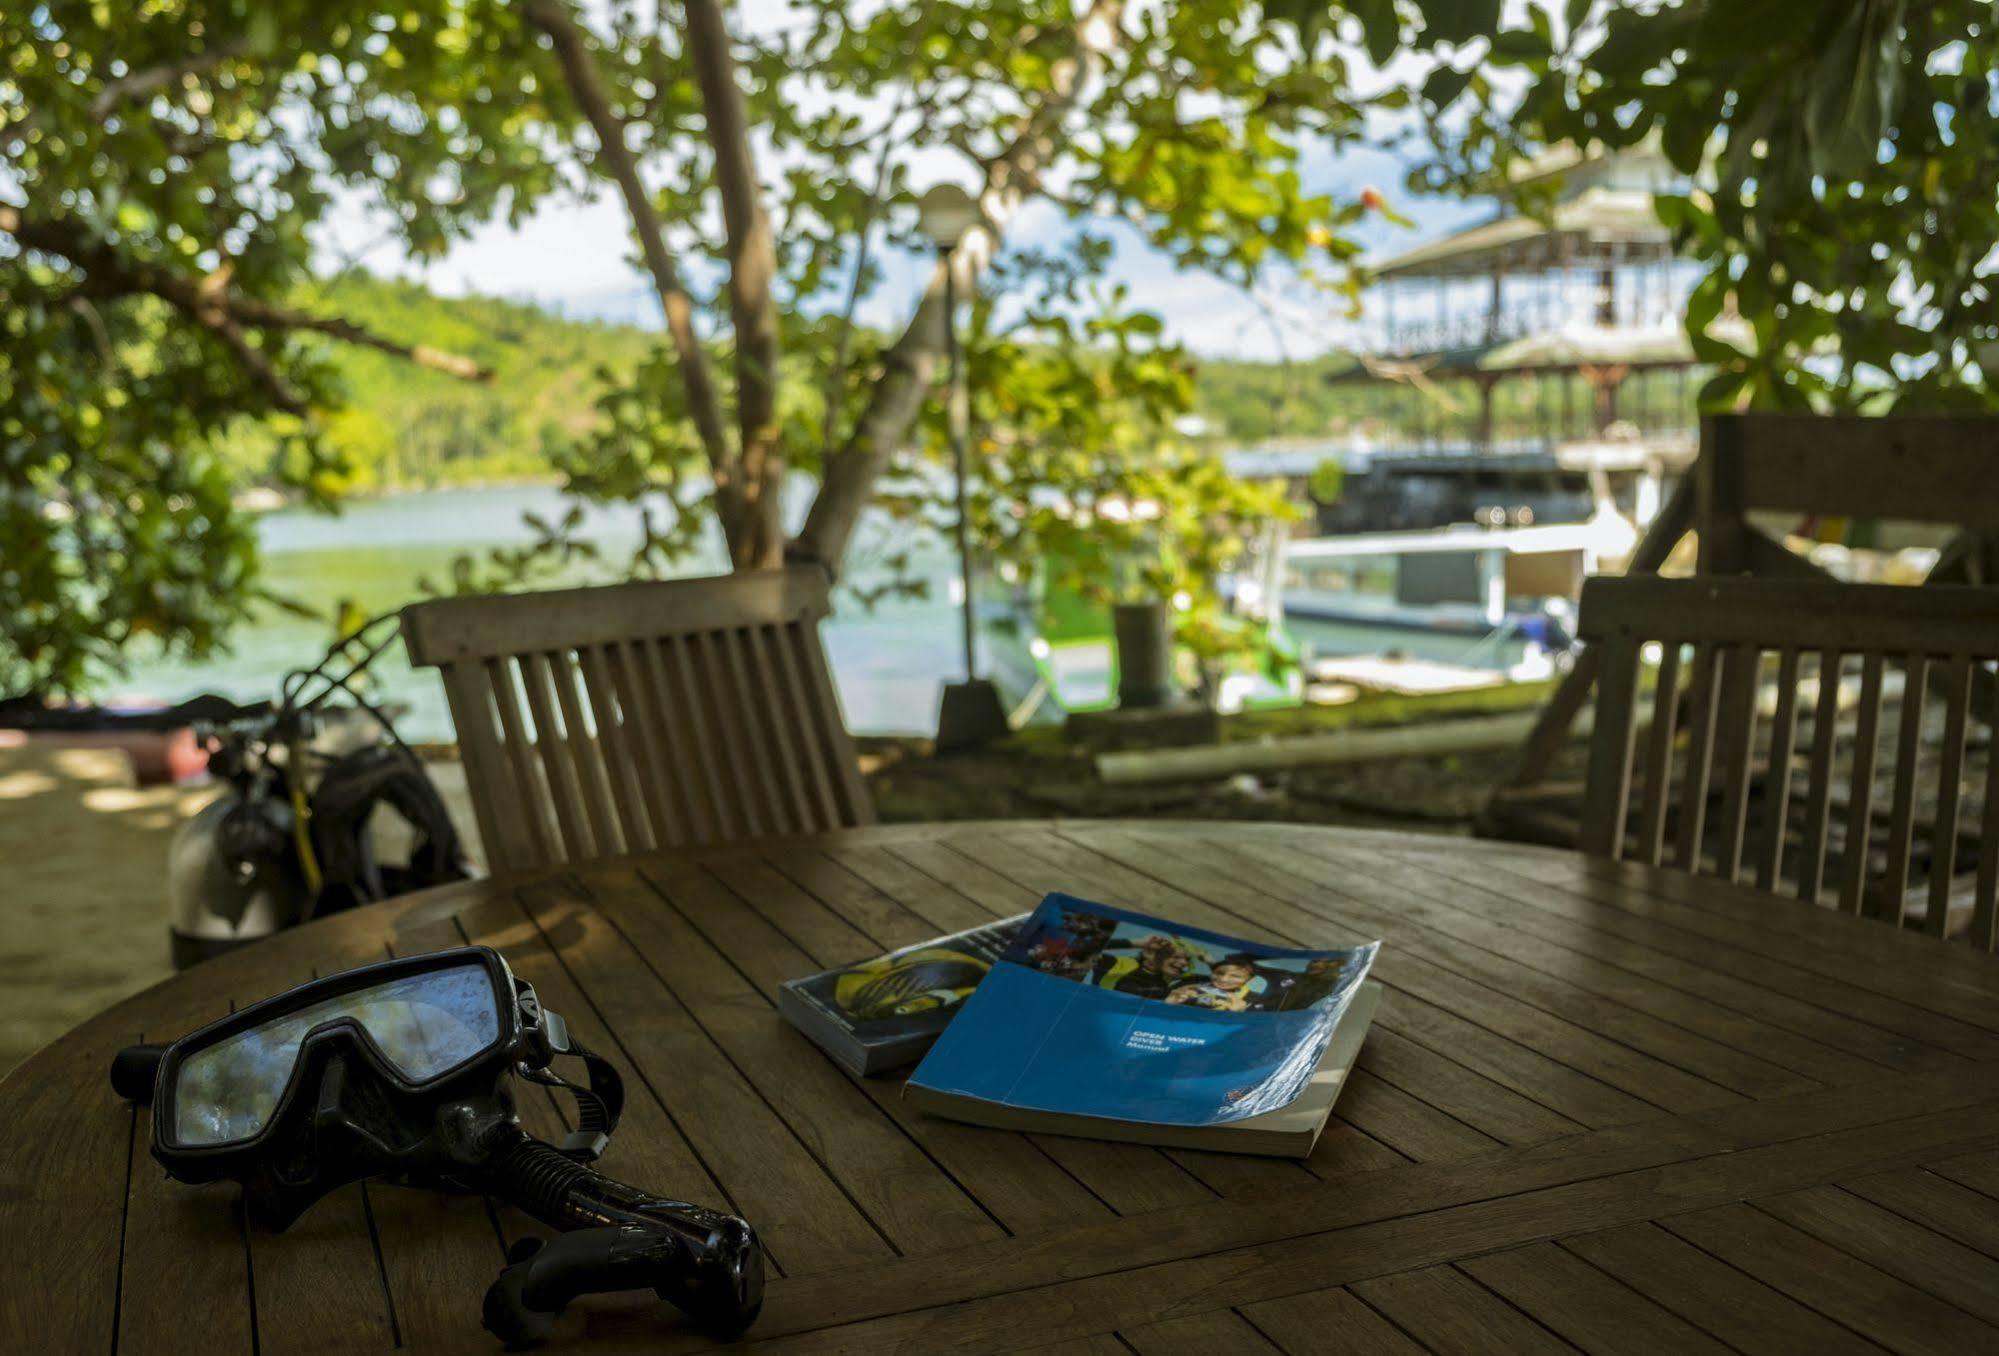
(1252, 402)
(407, 427)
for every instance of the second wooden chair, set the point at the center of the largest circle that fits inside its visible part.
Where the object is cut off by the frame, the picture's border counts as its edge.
(1817, 648)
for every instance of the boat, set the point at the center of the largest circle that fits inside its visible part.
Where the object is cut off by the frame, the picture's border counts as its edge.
(1484, 583)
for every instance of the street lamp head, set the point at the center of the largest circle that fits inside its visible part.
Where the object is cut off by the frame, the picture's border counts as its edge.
(944, 213)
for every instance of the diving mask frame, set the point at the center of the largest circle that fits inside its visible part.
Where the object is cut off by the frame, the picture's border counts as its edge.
(349, 1110)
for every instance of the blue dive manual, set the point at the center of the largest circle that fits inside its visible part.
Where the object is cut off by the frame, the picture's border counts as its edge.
(1098, 1021)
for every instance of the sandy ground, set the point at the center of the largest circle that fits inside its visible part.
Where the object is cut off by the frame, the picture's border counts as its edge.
(83, 855)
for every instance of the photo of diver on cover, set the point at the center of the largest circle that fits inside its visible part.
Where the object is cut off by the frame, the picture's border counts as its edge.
(1148, 960)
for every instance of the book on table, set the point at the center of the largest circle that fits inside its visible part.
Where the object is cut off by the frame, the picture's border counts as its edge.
(1100, 1022)
(884, 1013)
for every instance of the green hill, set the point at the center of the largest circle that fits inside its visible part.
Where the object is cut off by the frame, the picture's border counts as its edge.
(408, 427)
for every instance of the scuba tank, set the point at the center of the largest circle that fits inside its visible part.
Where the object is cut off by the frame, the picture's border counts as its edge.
(296, 833)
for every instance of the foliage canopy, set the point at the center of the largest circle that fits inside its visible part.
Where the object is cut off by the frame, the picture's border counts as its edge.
(170, 171)
(1844, 154)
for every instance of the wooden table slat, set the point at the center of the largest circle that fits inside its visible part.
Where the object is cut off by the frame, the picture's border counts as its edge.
(899, 1189)
(1900, 1247)
(1839, 992)
(1711, 1043)
(325, 1273)
(1698, 1287)
(1596, 1311)
(1817, 1042)
(1954, 984)
(1830, 1280)
(1333, 1321)
(1936, 1202)
(1453, 1315)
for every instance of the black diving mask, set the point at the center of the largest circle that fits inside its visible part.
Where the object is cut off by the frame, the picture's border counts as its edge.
(400, 1070)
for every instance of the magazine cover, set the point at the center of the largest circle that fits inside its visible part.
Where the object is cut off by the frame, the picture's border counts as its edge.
(1097, 1011)
(887, 1011)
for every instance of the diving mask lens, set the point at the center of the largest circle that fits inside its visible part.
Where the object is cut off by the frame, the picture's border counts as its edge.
(423, 1023)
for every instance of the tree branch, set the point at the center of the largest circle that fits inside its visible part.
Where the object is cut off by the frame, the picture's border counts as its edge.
(262, 315)
(140, 83)
(752, 273)
(254, 361)
(553, 17)
(911, 364)
(836, 373)
(211, 303)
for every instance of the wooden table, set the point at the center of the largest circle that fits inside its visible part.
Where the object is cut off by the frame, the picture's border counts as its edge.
(1601, 1106)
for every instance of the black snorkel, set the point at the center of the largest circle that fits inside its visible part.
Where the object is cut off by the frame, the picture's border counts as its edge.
(401, 1071)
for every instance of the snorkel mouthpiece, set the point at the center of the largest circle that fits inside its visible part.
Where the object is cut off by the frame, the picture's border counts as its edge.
(402, 1070)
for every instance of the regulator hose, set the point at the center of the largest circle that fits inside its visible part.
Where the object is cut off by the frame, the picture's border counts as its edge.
(615, 1237)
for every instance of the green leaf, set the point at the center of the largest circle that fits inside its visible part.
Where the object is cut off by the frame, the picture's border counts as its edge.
(1381, 28)
(1443, 85)
(1459, 20)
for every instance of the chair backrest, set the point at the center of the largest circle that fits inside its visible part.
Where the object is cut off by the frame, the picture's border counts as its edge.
(1817, 648)
(1922, 468)
(600, 721)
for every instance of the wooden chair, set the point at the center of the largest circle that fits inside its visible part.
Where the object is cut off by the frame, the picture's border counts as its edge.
(1739, 629)
(656, 715)
(1939, 469)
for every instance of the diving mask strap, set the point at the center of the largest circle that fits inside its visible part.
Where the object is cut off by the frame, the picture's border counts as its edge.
(598, 1104)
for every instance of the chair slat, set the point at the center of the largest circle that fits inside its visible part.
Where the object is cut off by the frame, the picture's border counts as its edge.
(680, 693)
(621, 746)
(1659, 756)
(1700, 758)
(539, 847)
(1902, 805)
(755, 716)
(1777, 776)
(1825, 743)
(1610, 749)
(552, 747)
(1860, 792)
(497, 812)
(1735, 734)
(1984, 932)
(1943, 640)
(696, 815)
(1943, 851)
(734, 741)
(587, 753)
(804, 705)
(855, 807)
(784, 731)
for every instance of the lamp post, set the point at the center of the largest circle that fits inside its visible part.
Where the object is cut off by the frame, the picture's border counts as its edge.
(971, 713)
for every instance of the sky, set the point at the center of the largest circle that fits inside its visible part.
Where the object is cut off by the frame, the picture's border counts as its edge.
(576, 257)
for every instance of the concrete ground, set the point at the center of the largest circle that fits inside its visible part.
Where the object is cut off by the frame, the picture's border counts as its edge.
(83, 913)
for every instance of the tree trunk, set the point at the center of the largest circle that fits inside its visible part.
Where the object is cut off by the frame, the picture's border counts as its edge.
(759, 542)
(554, 18)
(911, 364)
